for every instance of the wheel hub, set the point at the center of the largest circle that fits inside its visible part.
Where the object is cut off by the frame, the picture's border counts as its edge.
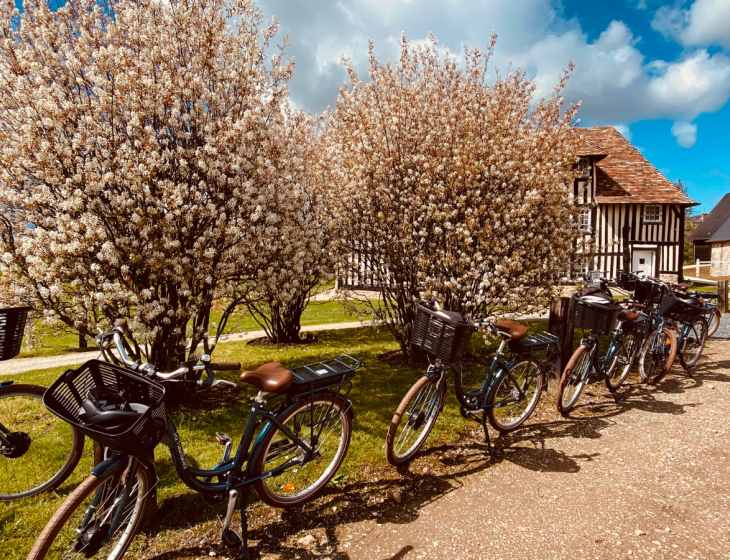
(19, 445)
(92, 539)
(416, 421)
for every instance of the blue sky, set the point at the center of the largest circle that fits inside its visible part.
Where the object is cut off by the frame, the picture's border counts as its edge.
(658, 71)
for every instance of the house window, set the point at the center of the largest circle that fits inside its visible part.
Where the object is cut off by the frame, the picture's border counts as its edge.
(584, 167)
(653, 213)
(584, 219)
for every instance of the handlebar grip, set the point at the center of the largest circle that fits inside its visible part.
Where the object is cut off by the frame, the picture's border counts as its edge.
(225, 366)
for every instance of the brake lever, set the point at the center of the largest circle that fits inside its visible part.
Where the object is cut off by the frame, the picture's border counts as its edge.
(215, 382)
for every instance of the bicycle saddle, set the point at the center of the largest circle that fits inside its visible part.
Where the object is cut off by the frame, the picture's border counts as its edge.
(626, 315)
(270, 378)
(515, 330)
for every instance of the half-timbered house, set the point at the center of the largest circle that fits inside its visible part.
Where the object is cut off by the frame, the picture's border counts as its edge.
(632, 215)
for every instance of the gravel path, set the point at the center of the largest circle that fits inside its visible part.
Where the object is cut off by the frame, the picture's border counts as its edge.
(647, 478)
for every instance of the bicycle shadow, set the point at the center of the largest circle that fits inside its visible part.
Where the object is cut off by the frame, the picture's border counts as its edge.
(271, 533)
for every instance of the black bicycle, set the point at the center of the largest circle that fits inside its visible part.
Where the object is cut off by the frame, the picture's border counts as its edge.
(508, 395)
(38, 451)
(288, 452)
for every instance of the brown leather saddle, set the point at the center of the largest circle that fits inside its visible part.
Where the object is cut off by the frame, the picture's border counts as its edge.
(626, 315)
(515, 330)
(270, 378)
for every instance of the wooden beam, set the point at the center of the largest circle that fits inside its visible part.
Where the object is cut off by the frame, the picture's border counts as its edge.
(560, 323)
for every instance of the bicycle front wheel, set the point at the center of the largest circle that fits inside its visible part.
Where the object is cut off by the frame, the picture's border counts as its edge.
(40, 450)
(695, 342)
(515, 396)
(622, 362)
(658, 354)
(713, 321)
(325, 424)
(414, 419)
(574, 379)
(82, 525)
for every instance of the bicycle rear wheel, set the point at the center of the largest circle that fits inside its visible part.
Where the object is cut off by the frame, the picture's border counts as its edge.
(622, 362)
(43, 450)
(526, 378)
(414, 419)
(694, 342)
(323, 424)
(713, 321)
(574, 379)
(657, 358)
(80, 527)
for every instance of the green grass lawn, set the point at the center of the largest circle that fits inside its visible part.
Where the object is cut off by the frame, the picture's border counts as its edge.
(377, 390)
(316, 313)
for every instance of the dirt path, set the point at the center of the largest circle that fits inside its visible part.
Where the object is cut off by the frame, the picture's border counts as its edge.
(647, 478)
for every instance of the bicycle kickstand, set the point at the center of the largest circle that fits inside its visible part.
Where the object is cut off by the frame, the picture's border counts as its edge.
(490, 449)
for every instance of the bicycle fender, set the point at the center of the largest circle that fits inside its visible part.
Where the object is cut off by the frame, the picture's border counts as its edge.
(109, 465)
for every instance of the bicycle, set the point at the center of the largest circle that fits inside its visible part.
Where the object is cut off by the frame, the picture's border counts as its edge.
(599, 317)
(38, 451)
(508, 395)
(686, 317)
(288, 452)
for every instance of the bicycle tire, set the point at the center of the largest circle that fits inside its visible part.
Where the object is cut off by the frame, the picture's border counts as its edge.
(576, 376)
(699, 330)
(53, 533)
(54, 446)
(627, 353)
(427, 394)
(659, 365)
(496, 414)
(713, 322)
(287, 489)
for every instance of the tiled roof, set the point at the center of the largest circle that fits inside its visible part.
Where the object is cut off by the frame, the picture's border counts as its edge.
(624, 176)
(586, 148)
(711, 229)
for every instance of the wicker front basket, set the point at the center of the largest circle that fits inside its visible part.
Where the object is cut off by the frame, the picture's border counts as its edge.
(444, 334)
(12, 327)
(595, 317)
(65, 395)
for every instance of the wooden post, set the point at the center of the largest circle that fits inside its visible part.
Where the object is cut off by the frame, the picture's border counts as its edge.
(560, 324)
(722, 296)
(697, 268)
(82, 341)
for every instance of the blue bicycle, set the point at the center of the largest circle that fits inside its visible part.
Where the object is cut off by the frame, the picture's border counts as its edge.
(509, 392)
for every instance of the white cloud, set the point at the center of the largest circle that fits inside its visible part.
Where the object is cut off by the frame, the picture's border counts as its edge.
(613, 79)
(685, 133)
(706, 22)
(624, 130)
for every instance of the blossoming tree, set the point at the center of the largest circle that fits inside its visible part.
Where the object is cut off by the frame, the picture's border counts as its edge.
(451, 184)
(139, 145)
(292, 256)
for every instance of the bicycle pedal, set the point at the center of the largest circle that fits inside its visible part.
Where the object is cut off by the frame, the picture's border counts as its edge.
(222, 438)
(232, 539)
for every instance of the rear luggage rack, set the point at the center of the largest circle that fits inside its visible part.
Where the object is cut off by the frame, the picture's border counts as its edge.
(326, 374)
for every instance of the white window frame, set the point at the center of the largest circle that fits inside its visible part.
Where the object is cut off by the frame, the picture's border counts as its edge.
(652, 219)
(584, 219)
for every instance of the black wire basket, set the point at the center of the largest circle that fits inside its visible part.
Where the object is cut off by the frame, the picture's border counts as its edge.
(12, 327)
(647, 292)
(626, 281)
(595, 317)
(65, 395)
(443, 334)
(679, 310)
